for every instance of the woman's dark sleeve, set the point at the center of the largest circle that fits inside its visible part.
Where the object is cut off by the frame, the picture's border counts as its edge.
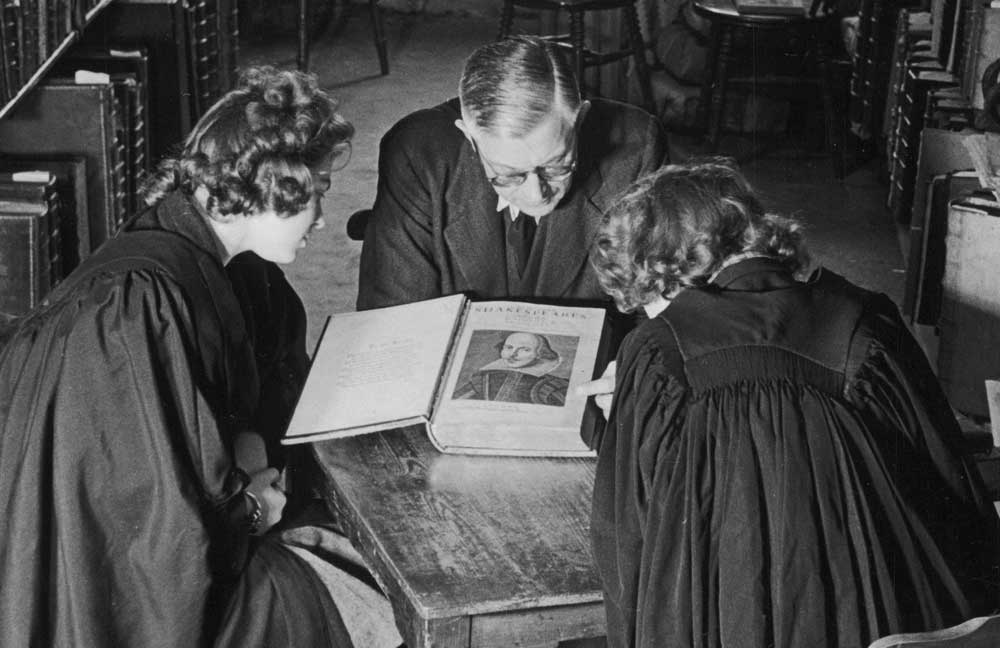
(893, 385)
(119, 428)
(276, 326)
(639, 440)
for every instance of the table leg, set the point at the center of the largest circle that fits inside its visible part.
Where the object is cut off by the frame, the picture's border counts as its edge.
(440, 633)
(641, 66)
(576, 40)
(833, 130)
(719, 83)
(506, 19)
(378, 29)
(303, 55)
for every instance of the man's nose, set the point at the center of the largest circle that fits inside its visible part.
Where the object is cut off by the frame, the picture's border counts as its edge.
(537, 189)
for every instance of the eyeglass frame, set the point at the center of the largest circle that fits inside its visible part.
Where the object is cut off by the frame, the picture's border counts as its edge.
(549, 174)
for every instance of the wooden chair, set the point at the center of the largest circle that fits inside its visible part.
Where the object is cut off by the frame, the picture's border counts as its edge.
(813, 35)
(582, 56)
(981, 632)
(378, 30)
(357, 223)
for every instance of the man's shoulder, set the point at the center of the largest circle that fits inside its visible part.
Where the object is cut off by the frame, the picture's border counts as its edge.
(621, 120)
(427, 128)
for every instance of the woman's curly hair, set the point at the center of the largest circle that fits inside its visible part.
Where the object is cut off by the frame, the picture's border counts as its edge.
(677, 226)
(256, 148)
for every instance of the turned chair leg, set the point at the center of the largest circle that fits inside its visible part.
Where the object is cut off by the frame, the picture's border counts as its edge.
(378, 29)
(637, 44)
(506, 19)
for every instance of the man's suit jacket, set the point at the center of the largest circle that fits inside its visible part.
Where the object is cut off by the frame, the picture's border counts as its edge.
(434, 229)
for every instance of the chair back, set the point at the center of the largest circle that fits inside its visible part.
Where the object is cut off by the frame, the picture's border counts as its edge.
(357, 223)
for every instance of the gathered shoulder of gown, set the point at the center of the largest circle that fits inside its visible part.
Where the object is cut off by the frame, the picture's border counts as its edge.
(119, 402)
(778, 469)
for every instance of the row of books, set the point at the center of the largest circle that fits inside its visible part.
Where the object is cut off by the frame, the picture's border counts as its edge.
(958, 38)
(31, 31)
(935, 78)
(89, 129)
(947, 222)
(75, 149)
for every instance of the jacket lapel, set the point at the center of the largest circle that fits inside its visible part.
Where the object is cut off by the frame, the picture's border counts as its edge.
(472, 229)
(567, 244)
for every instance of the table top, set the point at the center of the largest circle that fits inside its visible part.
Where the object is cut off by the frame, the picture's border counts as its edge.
(726, 10)
(458, 535)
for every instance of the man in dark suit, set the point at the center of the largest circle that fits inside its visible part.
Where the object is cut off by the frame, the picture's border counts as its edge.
(500, 192)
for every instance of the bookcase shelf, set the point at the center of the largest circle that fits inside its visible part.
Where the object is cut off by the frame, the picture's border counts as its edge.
(46, 65)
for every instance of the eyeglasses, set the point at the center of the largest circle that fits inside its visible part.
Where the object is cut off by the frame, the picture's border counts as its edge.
(548, 174)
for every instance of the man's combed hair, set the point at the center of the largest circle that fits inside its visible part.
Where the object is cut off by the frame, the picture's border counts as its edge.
(676, 227)
(255, 149)
(510, 86)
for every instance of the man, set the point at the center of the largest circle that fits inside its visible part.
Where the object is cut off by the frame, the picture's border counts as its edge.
(522, 374)
(499, 193)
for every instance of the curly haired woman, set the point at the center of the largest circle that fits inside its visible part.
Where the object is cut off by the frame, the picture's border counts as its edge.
(779, 464)
(137, 405)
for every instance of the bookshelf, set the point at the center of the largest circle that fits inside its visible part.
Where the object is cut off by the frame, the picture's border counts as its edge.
(67, 41)
(82, 120)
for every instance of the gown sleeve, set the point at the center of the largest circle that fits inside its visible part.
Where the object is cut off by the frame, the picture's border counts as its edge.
(116, 420)
(893, 385)
(640, 439)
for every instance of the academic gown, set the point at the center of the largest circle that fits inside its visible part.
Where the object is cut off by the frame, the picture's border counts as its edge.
(119, 402)
(778, 469)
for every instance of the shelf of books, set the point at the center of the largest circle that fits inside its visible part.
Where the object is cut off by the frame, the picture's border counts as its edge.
(80, 126)
(33, 35)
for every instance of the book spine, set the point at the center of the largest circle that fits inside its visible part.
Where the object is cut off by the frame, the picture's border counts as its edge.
(986, 51)
(24, 269)
(53, 214)
(15, 37)
(29, 36)
(972, 17)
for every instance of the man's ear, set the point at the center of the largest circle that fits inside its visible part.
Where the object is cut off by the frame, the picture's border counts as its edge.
(462, 126)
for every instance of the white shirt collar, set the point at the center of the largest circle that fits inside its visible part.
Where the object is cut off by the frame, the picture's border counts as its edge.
(514, 212)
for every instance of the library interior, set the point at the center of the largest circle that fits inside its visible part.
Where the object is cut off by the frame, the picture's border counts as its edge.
(875, 124)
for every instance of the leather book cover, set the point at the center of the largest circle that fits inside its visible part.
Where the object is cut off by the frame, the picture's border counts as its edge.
(952, 186)
(24, 264)
(70, 172)
(158, 32)
(29, 38)
(940, 152)
(131, 68)
(66, 118)
(39, 188)
(969, 350)
(985, 52)
(14, 29)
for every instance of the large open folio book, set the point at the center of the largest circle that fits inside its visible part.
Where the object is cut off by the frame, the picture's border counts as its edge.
(491, 377)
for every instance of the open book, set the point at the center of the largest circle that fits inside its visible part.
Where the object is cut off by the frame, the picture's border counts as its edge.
(491, 377)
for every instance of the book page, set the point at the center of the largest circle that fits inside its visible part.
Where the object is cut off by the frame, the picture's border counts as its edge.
(510, 385)
(376, 367)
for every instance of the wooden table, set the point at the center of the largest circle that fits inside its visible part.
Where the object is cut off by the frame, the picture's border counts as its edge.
(472, 551)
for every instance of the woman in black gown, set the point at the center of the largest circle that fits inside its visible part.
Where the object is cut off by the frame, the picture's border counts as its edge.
(140, 406)
(779, 465)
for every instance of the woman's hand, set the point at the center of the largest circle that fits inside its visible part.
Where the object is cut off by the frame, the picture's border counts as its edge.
(601, 389)
(263, 486)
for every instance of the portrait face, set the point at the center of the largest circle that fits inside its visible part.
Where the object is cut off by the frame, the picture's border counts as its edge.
(533, 172)
(519, 350)
(278, 238)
